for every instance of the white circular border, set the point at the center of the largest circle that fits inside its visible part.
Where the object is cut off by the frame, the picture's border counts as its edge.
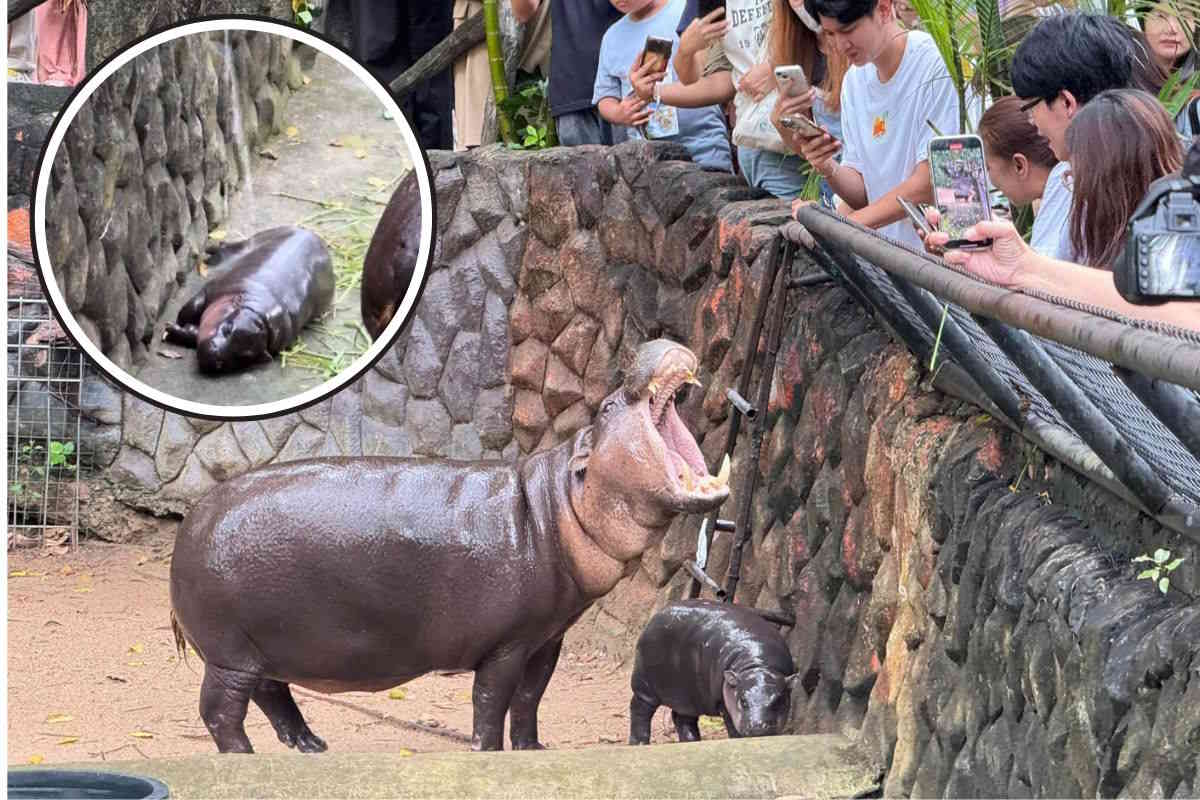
(275, 407)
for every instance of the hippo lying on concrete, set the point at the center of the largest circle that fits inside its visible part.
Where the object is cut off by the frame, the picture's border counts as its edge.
(278, 281)
(701, 657)
(391, 257)
(358, 574)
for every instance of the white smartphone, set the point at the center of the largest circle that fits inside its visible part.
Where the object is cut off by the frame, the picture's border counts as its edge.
(791, 80)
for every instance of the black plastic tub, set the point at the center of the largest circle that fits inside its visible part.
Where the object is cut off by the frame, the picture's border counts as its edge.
(32, 784)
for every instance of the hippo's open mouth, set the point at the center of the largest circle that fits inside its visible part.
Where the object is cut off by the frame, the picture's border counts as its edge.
(686, 469)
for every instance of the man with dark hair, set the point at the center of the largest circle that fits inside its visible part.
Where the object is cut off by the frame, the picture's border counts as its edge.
(895, 94)
(1065, 61)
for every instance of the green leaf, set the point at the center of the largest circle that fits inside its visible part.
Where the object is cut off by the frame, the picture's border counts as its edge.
(1142, 557)
(1163, 584)
(305, 16)
(1174, 564)
(1148, 573)
(1161, 555)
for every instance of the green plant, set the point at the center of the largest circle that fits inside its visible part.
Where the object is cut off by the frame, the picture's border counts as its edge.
(528, 108)
(1160, 572)
(304, 14)
(491, 27)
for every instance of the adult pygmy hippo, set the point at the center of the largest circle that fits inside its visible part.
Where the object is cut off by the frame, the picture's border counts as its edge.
(359, 574)
(701, 657)
(278, 280)
(391, 257)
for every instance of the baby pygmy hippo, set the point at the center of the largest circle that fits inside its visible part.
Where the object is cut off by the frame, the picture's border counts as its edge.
(701, 657)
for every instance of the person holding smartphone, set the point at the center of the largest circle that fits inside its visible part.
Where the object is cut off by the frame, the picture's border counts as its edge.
(622, 51)
(896, 93)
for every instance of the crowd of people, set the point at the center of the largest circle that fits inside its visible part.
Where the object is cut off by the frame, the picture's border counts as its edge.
(1081, 139)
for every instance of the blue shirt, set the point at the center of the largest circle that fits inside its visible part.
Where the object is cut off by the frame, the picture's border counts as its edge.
(701, 130)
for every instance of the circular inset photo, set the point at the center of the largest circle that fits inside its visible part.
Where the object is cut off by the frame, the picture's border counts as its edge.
(233, 218)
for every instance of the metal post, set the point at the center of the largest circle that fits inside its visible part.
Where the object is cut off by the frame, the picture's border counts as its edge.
(766, 376)
(1176, 407)
(1080, 413)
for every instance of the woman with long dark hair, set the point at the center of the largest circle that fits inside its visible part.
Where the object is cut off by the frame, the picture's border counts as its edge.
(1023, 167)
(1120, 142)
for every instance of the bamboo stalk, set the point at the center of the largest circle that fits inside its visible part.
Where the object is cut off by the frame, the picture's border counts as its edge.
(491, 27)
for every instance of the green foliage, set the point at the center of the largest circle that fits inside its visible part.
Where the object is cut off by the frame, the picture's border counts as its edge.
(528, 107)
(1160, 572)
(303, 14)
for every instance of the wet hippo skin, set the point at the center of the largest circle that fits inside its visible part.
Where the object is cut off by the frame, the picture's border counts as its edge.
(358, 574)
(705, 658)
(277, 282)
(391, 257)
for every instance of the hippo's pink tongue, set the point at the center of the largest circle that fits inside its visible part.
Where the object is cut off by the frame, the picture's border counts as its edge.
(680, 443)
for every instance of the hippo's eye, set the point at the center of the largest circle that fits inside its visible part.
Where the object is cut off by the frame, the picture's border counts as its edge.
(681, 394)
(607, 406)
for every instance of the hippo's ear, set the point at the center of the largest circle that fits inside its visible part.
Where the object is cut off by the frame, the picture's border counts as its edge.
(731, 679)
(581, 451)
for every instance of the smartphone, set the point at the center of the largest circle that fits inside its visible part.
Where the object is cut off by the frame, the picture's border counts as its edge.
(791, 80)
(960, 187)
(915, 214)
(658, 52)
(706, 7)
(807, 128)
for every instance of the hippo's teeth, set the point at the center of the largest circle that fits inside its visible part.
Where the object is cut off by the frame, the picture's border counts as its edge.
(689, 478)
(653, 389)
(723, 476)
(692, 379)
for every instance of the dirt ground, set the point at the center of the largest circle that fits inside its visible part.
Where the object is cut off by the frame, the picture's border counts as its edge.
(93, 675)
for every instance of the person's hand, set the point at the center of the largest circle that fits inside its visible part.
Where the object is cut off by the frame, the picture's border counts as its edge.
(798, 204)
(795, 106)
(819, 151)
(632, 111)
(1002, 264)
(933, 218)
(758, 82)
(643, 77)
(702, 32)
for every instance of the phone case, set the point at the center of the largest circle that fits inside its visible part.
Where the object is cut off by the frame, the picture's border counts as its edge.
(791, 80)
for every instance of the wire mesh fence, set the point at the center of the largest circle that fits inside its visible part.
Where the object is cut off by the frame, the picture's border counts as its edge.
(1117, 429)
(44, 375)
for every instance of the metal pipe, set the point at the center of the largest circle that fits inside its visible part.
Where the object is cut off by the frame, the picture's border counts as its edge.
(741, 404)
(959, 345)
(1176, 407)
(760, 313)
(811, 279)
(765, 379)
(1080, 413)
(1157, 355)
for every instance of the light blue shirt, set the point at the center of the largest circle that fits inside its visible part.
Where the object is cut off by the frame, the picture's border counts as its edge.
(1052, 225)
(701, 130)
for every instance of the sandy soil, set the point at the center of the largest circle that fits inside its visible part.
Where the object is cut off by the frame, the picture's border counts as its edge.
(93, 675)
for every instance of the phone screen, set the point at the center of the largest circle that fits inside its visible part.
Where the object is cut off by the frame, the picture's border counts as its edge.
(706, 7)
(960, 184)
(658, 52)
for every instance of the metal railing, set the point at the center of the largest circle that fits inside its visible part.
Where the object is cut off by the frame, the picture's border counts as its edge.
(1116, 399)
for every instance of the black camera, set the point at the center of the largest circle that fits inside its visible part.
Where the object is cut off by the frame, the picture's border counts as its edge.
(1162, 244)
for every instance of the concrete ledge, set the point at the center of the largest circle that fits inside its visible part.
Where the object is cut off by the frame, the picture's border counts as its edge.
(824, 766)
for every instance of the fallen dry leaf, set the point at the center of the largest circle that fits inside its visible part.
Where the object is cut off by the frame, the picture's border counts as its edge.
(36, 759)
(268, 154)
(142, 735)
(82, 589)
(397, 694)
(292, 131)
(360, 153)
(404, 752)
(137, 648)
(56, 718)
(336, 143)
(202, 268)
(307, 80)
(378, 183)
(68, 740)
(136, 663)
(172, 354)
(218, 235)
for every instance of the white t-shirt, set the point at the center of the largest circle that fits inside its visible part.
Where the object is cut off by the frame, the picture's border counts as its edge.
(884, 125)
(1051, 225)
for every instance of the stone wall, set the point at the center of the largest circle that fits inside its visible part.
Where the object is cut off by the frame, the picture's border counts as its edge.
(984, 640)
(147, 169)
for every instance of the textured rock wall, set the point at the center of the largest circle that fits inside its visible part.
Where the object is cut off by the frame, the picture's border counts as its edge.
(147, 168)
(984, 641)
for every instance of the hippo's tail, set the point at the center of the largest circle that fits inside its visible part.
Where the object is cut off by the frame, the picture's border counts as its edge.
(181, 643)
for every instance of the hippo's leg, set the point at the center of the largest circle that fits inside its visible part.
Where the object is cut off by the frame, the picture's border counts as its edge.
(729, 728)
(224, 697)
(641, 710)
(523, 712)
(193, 309)
(275, 700)
(687, 727)
(184, 335)
(496, 681)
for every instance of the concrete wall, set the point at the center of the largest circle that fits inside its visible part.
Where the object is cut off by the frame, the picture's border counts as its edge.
(147, 170)
(983, 641)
